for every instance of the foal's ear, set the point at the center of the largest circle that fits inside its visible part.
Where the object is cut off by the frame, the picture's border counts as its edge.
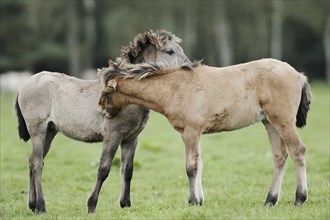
(112, 84)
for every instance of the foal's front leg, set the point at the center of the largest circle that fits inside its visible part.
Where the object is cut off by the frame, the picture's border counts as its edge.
(127, 159)
(191, 139)
(110, 146)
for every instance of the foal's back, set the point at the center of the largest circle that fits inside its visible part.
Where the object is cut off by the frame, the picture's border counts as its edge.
(70, 104)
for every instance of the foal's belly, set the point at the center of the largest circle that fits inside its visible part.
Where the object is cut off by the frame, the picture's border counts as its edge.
(91, 137)
(81, 127)
(83, 133)
(229, 121)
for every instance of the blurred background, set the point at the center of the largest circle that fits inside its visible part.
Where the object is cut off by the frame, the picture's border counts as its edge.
(78, 36)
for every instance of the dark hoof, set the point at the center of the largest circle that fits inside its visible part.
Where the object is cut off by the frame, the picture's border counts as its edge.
(301, 197)
(91, 211)
(193, 202)
(41, 207)
(91, 205)
(271, 200)
(125, 204)
(33, 205)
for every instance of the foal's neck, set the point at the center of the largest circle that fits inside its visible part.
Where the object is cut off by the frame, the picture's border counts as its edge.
(131, 91)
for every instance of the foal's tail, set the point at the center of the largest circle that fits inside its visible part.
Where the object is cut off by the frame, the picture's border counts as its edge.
(22, 129)
(304, 102)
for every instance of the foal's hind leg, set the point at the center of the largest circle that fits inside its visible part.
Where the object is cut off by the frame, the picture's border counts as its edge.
(285, 126)
(297, 152)
(40, 147)
(127, 159)
(110, 146)
(280, 155)
(36, 200)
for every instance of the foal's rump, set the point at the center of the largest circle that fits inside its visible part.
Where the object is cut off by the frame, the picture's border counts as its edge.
(282, 91)
(32, 104)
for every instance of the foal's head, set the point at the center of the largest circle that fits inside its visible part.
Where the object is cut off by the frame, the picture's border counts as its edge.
(111, 76)
(155, 47)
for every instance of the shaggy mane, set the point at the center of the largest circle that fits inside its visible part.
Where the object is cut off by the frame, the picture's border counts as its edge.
(139, 71)
(142, 40)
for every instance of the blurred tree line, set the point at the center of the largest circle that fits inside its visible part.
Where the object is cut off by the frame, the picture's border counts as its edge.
(73, 35)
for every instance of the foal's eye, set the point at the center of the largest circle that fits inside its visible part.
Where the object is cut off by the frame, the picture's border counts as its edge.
(170, 52)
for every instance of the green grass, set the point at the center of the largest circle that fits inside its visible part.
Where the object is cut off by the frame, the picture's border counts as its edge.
(236, 177)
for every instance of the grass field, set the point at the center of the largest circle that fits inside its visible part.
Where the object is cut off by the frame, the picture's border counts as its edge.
(236, 177)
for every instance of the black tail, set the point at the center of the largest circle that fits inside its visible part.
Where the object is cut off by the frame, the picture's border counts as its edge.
(304, 104)
(22, 129)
